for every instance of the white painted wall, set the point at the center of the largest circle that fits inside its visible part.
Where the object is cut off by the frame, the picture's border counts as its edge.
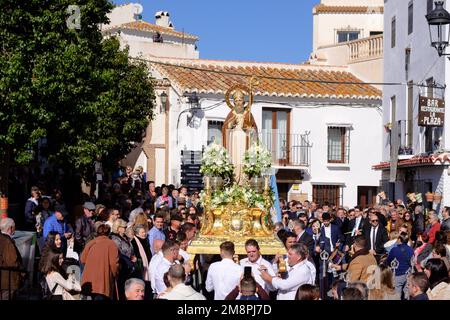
(141, 44)
(142, 161)
(365, 121)
(160, 163)
(124, 14)
(326, 26)
(424, 64)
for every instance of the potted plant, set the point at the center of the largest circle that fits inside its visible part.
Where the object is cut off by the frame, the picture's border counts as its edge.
(216, 165)
(257, 160)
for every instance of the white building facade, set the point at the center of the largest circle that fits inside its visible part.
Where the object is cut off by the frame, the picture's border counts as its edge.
(415, 157)
(324, 136)
(349, 32)
(318, 133)
(144, 38)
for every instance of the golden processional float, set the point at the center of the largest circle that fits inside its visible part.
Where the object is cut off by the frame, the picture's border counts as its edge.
(237, 198)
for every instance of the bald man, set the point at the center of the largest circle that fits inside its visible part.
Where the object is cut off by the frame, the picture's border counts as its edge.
(180, 291)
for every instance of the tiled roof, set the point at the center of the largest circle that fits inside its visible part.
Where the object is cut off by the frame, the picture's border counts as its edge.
(146, 26)
(206, 76)
(321, 8)
(440, 159)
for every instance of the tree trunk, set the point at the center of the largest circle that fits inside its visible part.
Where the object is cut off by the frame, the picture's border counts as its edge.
(5, 158)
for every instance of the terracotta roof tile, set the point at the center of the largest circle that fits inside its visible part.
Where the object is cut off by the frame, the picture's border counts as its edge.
(418, 160)
(214, 78)
(146, 26)
(321, 8)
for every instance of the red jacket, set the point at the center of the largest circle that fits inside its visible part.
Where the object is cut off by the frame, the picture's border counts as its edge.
(432, 233)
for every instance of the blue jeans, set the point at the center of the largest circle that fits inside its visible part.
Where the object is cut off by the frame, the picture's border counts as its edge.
(401, 286)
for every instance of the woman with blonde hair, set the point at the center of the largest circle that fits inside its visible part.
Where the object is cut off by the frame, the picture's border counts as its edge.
(383, 286)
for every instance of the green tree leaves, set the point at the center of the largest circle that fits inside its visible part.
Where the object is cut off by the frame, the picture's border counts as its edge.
(71, 86)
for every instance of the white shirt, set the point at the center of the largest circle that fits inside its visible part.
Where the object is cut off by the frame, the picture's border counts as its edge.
(156, 259)
(328, 235)
(256, 273)
(223, 277)
(162, 267)
(186, 256)
(301, 273)
(373, 237)
(357, 222)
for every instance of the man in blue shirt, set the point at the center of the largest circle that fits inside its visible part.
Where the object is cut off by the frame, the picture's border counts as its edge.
(56, 223)
(402, 254)
(156, 232)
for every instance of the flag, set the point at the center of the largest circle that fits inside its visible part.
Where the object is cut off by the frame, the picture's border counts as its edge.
(276, 204)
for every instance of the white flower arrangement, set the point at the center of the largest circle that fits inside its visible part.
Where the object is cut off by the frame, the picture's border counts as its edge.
(216, 162)
(237, 194)
(256, 160)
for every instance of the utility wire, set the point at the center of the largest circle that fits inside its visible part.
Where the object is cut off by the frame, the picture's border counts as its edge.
(241, 74)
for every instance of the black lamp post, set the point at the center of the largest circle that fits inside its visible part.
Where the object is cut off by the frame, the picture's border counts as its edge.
(438, 21)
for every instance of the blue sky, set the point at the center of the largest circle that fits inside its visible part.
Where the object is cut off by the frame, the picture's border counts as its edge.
(249, 30)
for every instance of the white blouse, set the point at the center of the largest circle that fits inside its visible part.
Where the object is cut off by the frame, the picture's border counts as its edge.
(56, 278)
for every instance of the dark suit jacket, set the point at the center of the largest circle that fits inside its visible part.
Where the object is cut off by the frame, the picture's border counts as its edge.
(342, 224)
(336, 236)
(307, 240)
(380, 239)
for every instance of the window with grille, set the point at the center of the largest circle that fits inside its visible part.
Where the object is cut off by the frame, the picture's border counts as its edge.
(215, 132)
(344, 36)
(327, 193)
(338, 145)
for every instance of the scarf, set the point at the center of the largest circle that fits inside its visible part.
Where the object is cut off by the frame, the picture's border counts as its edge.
(144, 258)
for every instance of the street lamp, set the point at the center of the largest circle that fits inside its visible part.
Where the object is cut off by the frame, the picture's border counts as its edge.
(193, 101)
(163, 97)
(438, 20)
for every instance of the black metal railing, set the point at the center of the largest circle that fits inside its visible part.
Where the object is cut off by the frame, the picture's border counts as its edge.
(287, 148)
(12, 283)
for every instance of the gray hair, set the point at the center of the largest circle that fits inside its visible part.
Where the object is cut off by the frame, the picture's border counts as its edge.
(132, 281)
(177, 272)
(300, 249)
(137, 228)
(299, 223)
(6, 223)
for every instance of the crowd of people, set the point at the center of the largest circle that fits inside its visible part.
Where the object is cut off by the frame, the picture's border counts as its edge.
(132, 244)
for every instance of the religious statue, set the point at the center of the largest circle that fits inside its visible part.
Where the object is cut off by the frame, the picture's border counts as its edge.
(240, 219)
(239, 127)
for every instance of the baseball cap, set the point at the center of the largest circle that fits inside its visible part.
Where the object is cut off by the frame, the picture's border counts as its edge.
(89, 205)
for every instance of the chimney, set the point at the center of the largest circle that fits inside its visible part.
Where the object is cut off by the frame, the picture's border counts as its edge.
(162, 19)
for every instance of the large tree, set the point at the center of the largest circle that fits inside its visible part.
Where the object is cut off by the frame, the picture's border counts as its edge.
(69, 85)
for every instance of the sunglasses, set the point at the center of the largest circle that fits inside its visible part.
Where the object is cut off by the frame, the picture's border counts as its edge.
(374, 220)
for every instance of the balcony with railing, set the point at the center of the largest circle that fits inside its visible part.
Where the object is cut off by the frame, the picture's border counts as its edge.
(401, 137)
(365, 49)
(288, 150)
